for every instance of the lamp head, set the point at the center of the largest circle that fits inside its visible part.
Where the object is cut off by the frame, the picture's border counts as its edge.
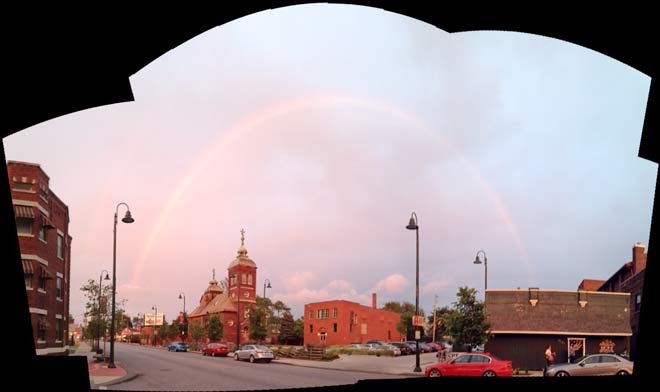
(477, 260)
(128, 218)
(180, 297)
(269, 286)
(412, 225)
(106, 277)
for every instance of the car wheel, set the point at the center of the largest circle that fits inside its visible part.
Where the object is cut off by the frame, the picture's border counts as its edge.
(236, 357)
(435, 373)
(561, 374)
(251, 358)
(622, 373)
(489, 373)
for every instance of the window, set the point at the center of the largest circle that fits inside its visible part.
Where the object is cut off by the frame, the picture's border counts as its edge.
(334, 313)
(334, 327)
(60, 248)
(389, 335)
(42, 233)
(638, 302)
(311, 314)
(463, 359)
(592, 360)
(41, 328)
(311, 328)
(58, 329)
(23, 186)
(59, 287)
(24, 225)
(28, 280)
(249, 279)
(42, 281)
(608, 359)
(243, 279)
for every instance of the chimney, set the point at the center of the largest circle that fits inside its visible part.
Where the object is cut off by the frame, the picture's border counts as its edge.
(639, 258)
(373, 300)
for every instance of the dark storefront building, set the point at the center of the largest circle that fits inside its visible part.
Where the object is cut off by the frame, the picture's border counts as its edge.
(525, 321)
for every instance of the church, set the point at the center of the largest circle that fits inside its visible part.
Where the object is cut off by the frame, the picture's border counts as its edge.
(230, 299)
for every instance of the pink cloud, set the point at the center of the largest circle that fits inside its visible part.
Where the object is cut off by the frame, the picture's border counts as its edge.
(393, 284)
(436, 286)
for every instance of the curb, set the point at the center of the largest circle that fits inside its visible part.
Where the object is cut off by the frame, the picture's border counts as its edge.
(352, 370)
(128, 377)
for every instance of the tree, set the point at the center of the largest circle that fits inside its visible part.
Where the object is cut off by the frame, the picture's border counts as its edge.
(259, 316)
(407, 311)
(441, 328)
(298, 330)
(286, 327)
(467, 324)
(214, 329)
(196, 330)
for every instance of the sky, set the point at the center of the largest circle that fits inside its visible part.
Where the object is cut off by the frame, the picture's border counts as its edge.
(320, 128)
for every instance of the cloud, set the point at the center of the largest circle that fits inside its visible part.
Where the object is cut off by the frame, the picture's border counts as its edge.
(299, 280)
(393, 284)
(435, 286)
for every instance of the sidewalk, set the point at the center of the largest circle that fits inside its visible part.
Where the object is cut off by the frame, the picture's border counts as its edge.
(99, 373)
(400, 366)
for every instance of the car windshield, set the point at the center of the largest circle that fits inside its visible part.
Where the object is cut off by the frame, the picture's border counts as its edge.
(262, 348)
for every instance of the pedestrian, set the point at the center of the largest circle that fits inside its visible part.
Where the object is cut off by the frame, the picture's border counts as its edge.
(571, 353)
(549, 356)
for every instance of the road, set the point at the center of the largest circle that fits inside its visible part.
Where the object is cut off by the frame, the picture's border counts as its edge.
(162, 370)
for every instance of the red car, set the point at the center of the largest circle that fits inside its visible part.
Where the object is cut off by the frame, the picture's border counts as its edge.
(471, 364)
(216, 350)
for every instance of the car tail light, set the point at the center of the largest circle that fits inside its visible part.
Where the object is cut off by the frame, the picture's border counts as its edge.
(259, 352)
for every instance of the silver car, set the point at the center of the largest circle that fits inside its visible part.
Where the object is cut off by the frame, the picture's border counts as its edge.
(253, 353)
(592, 365)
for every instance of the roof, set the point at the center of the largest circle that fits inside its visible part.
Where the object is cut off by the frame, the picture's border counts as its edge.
(558, 312)
(217, 304)
(591, 284)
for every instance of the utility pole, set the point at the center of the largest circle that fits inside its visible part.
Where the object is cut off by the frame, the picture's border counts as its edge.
(434, 316)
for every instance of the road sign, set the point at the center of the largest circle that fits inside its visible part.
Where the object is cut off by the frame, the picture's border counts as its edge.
(418, 321)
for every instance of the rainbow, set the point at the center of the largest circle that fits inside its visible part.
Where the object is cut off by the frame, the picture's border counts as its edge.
(271, 112)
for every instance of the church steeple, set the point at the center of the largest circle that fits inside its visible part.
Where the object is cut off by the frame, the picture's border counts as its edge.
(242, 251)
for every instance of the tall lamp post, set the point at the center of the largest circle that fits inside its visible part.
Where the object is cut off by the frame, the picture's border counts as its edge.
(412, 225)
(126, 219)
(267, 287)
(155, 309)
(183, 331)
(98, 340)
(478, 261)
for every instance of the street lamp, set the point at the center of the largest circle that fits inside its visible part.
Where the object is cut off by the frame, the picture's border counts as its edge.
(412, 225)
(183, 295)
(155, 309)
(478, 261)
(126, 219)
(266, 287)
(98, 339)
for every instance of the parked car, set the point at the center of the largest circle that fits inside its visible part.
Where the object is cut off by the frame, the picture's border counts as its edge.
(216, 350)
(403, 347)
(253, 353)
(592, 365)
(177, 346)
(481, 364)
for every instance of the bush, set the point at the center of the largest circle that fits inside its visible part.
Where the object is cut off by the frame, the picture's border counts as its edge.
(330, 356)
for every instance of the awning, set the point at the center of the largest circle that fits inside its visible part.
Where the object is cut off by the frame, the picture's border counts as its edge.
(27, 267)
(46, 274)
(45, 222)
(24, 212)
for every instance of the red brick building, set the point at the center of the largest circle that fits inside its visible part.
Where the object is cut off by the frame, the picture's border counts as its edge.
(345, 322)
(223, 302)
(42, 223)
(630, 279)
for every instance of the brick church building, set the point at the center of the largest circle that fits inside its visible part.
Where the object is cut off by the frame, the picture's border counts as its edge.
(224, 299)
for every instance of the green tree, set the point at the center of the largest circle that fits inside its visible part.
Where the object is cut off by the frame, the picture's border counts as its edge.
(101, 315)
(196, 330)
(407, 311)
(467, 324)
(258, 320)
(298, 331)
(164, 330)
(286, 327)
(441, 328)
(214, 329)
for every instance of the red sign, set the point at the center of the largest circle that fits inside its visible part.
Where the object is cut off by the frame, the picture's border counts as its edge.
(418, 321)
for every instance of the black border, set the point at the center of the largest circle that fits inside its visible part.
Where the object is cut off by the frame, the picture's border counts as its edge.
(55, 62)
